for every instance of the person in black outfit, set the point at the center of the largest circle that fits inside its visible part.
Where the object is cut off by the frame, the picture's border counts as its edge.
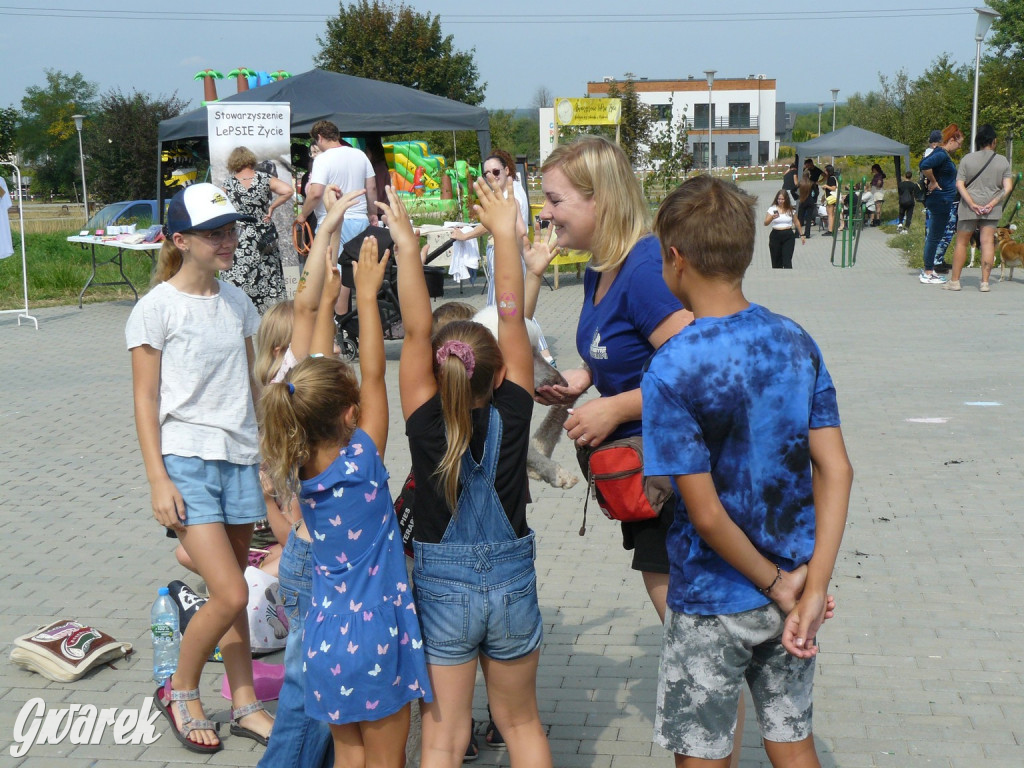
(807, 208)
(908, 191)
(791, 182)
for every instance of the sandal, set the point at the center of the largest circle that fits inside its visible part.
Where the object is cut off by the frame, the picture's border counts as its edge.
(240, 730)
(492, 735)
(472, 749)
(165, 697)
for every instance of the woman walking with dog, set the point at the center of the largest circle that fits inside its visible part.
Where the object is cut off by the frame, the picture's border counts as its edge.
(984, 181)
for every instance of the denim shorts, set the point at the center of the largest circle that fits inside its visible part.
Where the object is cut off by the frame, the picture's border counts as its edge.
(217, 491)
(704, 661)
(483, 603)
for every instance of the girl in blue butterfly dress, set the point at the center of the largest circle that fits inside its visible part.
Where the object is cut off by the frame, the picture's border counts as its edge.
(324, 436)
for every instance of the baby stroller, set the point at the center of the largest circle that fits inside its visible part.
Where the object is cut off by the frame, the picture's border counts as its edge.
(347, 337)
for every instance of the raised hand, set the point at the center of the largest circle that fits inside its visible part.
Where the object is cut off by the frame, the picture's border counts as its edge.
(369, 271)
(496, 207)
(399, 223)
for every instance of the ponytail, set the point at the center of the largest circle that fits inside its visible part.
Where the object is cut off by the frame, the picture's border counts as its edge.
(302, 412)
(167, 264)
(463, 380)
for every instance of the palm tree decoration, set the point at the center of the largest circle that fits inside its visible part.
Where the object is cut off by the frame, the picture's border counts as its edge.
(209, 76)
(242, 74)
(280, 75)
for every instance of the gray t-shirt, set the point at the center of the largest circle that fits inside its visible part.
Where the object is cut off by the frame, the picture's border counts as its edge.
(205, 397)
(986, 186)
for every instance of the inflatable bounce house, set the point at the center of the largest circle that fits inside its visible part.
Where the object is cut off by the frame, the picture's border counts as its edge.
(425, 181)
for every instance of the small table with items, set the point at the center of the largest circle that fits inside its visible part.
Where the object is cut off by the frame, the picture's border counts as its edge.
(118, 248)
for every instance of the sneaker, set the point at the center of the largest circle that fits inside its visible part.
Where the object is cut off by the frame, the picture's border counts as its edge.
(942, 267)
(983, 288)
(932, 279)
(952, 285)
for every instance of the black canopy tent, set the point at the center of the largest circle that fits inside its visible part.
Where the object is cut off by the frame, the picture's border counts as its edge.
(358, 107)
(851, 140)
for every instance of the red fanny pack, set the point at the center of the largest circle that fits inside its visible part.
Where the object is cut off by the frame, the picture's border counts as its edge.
(615, 471)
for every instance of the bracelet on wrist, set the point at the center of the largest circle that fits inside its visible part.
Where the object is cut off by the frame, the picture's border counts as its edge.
(778, 577)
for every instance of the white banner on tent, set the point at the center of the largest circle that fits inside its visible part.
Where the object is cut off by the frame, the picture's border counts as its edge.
(265, 129)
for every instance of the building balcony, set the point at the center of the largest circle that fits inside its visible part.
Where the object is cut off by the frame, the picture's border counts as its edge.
(721, 123)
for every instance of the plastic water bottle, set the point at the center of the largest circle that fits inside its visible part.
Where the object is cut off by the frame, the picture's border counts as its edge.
(164, 628)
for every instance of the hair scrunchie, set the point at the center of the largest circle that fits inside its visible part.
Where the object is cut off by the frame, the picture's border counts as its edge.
(459, 349)
(291, 388)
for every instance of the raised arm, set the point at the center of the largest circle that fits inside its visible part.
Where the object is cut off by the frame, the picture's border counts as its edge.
(538, 256)
(416, 382)
(499, 214)
(373, 393)
(307, 294)
(324, 329)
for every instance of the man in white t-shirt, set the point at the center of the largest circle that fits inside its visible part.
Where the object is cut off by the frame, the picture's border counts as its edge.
(346, 167)
(350, 169)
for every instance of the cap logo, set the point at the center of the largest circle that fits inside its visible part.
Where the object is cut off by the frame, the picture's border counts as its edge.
(218, 199)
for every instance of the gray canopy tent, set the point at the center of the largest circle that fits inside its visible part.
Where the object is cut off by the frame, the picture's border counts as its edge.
(851, 140)
(358, 106)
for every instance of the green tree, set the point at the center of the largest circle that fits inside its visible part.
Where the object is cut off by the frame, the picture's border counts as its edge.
(121, 144)
(1007, 35)
(670, 158)
(636, 121)
(8, 131)
(397, 44)
(46, 133)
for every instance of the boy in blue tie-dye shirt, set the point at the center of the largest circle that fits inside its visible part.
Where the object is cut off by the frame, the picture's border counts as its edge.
(739, 409)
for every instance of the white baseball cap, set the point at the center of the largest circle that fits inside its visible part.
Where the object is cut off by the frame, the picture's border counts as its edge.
(200, 207)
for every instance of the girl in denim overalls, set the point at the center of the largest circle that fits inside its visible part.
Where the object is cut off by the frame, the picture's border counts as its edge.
(467, 403)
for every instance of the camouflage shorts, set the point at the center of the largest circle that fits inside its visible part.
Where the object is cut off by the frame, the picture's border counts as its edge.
(704, 660)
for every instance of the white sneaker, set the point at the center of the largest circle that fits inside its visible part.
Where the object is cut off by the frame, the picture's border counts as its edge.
(952, 285)
(983, 288)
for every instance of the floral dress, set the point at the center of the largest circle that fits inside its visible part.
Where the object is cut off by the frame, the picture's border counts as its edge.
(362, 650)
(258, 274)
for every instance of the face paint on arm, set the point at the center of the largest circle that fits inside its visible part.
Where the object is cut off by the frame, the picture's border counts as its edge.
(302, 282)
(507, 306)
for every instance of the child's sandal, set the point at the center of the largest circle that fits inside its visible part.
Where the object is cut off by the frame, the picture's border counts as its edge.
(240, 730)
(166, 697)
(492, 735)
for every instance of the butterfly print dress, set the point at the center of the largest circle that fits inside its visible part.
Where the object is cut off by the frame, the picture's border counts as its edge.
(363, 653)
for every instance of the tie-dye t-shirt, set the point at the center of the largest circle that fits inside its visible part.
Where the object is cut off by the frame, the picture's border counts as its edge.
(736, 396)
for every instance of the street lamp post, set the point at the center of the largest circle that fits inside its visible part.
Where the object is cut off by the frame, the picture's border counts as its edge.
(711, 120)
(985, 18)
(835, 95)
(819, 125)
(81, 157)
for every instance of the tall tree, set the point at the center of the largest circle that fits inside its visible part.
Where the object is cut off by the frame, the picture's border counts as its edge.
(542, 97)
(394, 43)
(8, 131)
(122, 142)
(1008, 30)
(636, 121)
(46, 133)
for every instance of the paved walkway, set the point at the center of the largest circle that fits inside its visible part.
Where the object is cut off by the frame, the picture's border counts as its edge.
(922, 666)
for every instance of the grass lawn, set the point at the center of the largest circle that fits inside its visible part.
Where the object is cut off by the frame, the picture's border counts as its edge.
(57, 270)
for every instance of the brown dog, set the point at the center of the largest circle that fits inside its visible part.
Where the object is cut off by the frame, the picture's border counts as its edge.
(1011, 253)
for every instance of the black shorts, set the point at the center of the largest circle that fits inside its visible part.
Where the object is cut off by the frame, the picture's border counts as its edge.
(647, 540)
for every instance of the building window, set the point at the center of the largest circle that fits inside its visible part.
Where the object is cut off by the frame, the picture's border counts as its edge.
(739, 153)
(700, 153)
(739, 116)
(661, 111)
(700, 115)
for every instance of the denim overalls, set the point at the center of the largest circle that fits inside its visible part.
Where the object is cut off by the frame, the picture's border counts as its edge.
(476, 590)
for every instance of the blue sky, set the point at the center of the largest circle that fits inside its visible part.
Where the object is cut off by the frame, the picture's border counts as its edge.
(811, 47)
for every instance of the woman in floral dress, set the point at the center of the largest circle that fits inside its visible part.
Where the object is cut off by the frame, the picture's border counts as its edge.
(257, 194)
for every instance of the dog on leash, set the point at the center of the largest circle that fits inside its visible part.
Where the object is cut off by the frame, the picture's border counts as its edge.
(1011, 253)
(539, 464)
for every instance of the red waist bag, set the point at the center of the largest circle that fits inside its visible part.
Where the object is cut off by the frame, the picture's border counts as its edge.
(615, 471)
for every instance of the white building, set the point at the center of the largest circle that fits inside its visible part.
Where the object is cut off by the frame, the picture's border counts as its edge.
(747, 122)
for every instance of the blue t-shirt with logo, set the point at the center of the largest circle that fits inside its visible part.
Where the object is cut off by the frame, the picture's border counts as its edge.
(612, 336)
(736, 396)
